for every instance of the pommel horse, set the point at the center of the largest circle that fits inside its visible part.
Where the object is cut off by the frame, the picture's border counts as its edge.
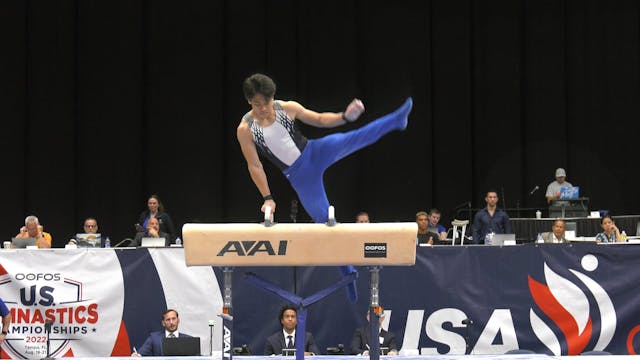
(295, 244)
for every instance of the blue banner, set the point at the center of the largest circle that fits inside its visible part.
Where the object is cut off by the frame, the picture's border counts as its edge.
(558, 299)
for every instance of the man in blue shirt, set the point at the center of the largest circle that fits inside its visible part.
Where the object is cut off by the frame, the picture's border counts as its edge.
(490, 219)
(434, 226)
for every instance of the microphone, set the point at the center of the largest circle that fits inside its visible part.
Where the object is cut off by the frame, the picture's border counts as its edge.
(127, 240)
(463, 205)
(47, 330)
(534, 190)
(466, 322)
(294, 210)
(226, 317)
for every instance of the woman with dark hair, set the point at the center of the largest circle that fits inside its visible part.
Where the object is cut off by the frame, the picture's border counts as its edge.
(611, 232)
(156, 209)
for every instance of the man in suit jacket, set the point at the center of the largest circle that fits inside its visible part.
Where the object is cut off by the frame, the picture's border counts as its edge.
(557, 233)
(285, 338)
(153, 345)
(361, 339)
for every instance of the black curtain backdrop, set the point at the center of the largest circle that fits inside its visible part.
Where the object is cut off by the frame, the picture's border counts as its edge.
(106, 102)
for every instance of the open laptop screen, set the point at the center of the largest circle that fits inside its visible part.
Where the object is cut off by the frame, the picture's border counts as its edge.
(152, 242)
(88, 240)
(181, 346)
(568, 193)
(22, 243)
(423, 239)
(499, 239)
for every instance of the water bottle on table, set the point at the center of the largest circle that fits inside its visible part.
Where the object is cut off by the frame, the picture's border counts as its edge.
(488, 239)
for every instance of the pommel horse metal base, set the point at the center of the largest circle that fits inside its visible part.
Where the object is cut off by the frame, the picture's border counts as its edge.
(230, 245)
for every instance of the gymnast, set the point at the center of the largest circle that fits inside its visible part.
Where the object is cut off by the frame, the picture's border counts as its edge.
(271, 128)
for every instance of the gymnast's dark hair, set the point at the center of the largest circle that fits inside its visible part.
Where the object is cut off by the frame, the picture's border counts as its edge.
(258, 84)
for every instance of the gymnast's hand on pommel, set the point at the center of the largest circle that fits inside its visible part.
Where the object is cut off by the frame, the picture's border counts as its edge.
(354, 110)
(269, 202)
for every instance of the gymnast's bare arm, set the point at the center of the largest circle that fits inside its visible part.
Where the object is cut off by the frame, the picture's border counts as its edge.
(326, 119)
(254, 164)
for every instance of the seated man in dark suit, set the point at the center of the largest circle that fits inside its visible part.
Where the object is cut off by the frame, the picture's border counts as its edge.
(153, 230)
(360, 342)
(285, 338)
(153, 345)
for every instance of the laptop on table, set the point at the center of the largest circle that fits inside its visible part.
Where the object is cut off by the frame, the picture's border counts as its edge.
(569, 193)
(85, 240)
(499, 239)
(435, 238)
(153, 242)
(22, 243)
(289, 352)
(181, 346)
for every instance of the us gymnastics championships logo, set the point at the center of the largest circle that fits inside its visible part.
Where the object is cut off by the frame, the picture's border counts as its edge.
(568, 307)
(37, 300)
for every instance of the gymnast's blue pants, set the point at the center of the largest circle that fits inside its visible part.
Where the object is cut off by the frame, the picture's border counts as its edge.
(305, 174)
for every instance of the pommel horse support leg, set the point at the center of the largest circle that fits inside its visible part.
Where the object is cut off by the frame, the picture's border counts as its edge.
(233, 245)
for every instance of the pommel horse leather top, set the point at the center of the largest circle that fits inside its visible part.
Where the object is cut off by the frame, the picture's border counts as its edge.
(295, 244)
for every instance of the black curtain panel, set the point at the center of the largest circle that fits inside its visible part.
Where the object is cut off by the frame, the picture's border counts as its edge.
(106, 102)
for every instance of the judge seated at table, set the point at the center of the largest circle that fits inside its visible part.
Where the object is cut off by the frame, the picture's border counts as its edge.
(610, 233)
(285, 337)
(361, 341)
(557, 233)
(33, 229)
(153, 230)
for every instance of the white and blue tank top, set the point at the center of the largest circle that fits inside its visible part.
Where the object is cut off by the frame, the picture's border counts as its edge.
(281, 142)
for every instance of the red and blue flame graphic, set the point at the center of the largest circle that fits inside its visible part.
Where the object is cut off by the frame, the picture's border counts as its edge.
(567, 306)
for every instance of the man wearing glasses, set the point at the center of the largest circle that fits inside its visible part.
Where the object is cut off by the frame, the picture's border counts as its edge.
(90, 227)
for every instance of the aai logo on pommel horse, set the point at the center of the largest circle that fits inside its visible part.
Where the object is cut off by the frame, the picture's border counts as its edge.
(251, 247)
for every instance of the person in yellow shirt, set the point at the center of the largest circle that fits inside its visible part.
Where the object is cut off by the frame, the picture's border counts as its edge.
(32, 228)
